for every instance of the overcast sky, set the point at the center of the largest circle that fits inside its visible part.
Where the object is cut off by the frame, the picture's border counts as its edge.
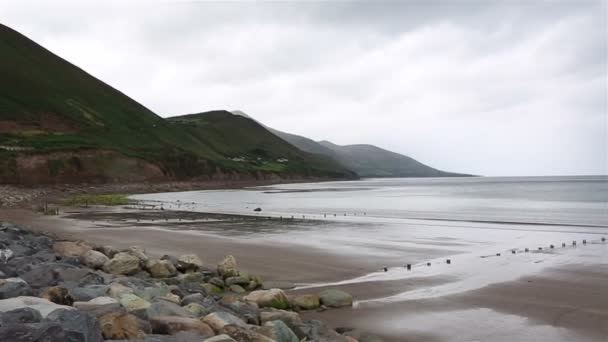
(484, 87)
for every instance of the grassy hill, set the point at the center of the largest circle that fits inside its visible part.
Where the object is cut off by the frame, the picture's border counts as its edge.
(372, 161)
(251, 146)
(60, 124)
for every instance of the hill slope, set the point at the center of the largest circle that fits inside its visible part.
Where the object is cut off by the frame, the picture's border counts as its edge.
(60, 124)
(372, 161)
(365, 160)
(252, 146)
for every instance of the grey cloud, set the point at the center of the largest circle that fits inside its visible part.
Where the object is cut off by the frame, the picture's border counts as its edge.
(488, 87)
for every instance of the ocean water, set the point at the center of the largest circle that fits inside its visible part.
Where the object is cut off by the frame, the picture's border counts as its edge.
(577, 201)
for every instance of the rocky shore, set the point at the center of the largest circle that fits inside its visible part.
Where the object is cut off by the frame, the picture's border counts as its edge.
(75, 291)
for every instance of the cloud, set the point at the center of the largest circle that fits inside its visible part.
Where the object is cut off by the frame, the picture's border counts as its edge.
(488, 87)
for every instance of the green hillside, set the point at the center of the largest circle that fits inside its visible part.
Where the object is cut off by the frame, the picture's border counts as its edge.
(60, 124)
(372, 161)
(251, 146)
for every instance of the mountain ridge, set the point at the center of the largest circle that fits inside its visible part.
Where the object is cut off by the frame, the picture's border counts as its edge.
(365, 159)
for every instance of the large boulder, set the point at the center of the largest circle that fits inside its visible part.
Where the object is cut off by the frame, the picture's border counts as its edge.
(306, 302)
(133, 303)
(120, 326)
(77, 324)
(70, 248)
(94, 259)
(116, 290)
(288, 317)
(41, 276)
(174, 324)
(165, 308)
(88, 292)
(278, 331)
(197, 310)
(228, 267)
(47, 332)
(240, 280)
(20, 316)
(41, 305)
(161, 268)
(274, 298)
(244, 334)
(14, 287)
(97, 303)
(218, 320)
(139, 253)
(335, 298)
(189, 263)
(316, 331)
(122, 263)
(58, 295)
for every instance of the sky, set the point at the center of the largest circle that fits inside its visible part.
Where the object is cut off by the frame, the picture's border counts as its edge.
(497, 88)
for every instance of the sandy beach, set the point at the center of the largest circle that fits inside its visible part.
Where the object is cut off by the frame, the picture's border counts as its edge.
(524, 301)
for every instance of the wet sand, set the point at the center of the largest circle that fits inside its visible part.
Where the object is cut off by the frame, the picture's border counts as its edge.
(568, 303)
(564, 302)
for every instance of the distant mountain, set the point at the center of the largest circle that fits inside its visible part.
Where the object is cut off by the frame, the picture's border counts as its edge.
(59, 124)
(365, 160)
(252, 147)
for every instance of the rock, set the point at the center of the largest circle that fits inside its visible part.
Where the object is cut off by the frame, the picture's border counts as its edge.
(133, 303)
(237, 281)
(139, 253)
(189, 262)
(173, 298)
(43, 332)
(151, 293)
(5, 255)
(41, 276)
(88, 292)
(306, 302)
(288, 317)
(249, 312)
(108, 251)
(119, 326)
(197, 310)
(316, 331)
(14, 287)
(165, 308)
(80, 276)
(116, 290)
(283, 285)
(173, 324)
(191, 277)
(237, 289)
(58, 295)
(274, 298)
(217, 282)
(81, 323)
(220, 338)
(161, 268)
(97, 303)
(20, 316)
(228, 267)
(71, 249)
(243, 334)
(217, 320)
(212, 289)
(193, 298)
(335, 298)
(278, 331)
(122, 263)
(94, 259)
(41, 305)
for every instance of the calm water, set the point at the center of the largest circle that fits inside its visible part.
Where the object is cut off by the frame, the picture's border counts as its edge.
(538, 200)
